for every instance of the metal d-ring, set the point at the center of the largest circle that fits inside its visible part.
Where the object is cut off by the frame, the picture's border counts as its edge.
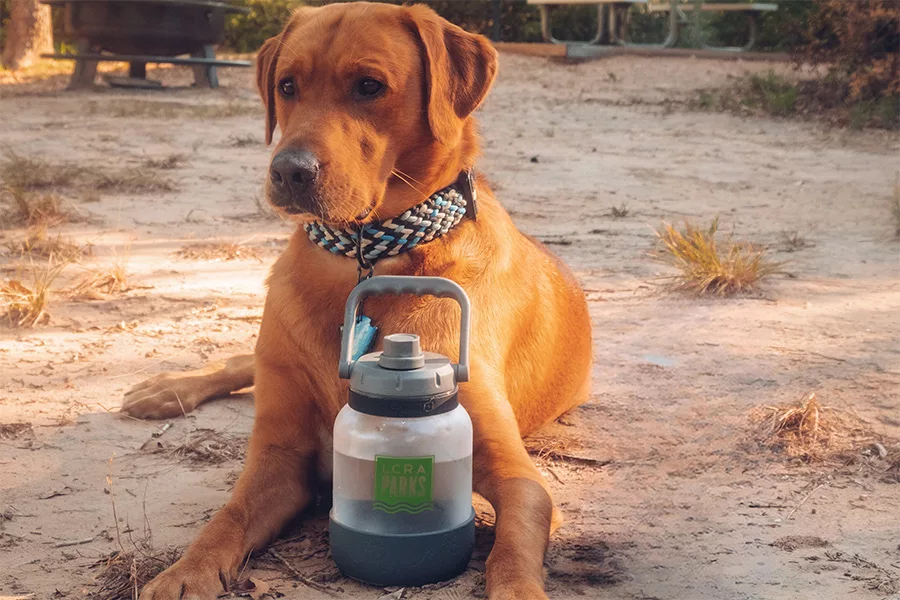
(364, 268)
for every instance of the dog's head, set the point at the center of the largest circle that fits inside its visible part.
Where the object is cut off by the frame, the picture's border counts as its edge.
(373, 102)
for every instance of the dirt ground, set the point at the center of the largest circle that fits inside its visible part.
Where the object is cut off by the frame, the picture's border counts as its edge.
(666, 493)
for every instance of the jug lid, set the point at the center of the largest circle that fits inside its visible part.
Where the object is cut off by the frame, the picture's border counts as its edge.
(403, 381)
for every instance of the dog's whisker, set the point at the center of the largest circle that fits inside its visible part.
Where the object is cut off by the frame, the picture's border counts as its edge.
(409, 180)
(424, 196)
(345, 204)
(407, 175)
(282, 45)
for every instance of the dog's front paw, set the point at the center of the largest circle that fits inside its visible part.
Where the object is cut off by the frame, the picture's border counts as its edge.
(520, 591)
(164, 396)
(187, 580)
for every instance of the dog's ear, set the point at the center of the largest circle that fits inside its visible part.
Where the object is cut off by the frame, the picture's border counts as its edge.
(459, 70)
(266, 59)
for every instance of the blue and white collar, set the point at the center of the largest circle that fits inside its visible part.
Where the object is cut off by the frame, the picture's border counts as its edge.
(425, 222)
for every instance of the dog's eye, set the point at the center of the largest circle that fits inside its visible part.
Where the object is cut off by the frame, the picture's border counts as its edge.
(369, 87)
(287, 87)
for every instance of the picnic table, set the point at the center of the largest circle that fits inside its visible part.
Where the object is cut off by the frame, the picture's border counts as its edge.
(612, 19)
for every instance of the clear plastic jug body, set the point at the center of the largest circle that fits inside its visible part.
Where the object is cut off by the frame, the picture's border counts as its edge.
(402, 475)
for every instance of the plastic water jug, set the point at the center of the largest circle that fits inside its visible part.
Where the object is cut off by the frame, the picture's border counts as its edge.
(402, 511)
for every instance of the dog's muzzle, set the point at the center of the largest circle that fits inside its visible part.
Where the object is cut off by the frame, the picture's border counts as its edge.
(292, 181)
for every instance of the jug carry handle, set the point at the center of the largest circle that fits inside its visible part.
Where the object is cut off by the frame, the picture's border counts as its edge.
(397, 284)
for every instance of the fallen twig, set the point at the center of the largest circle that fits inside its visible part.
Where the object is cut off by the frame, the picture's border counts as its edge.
(300, 576)
(75, 542)
(552, 472)
(581, 460)
(802, 502)
(834, 358)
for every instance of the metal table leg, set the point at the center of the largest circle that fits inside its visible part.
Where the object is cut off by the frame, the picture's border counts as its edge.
(617, 27)
(752, 31)
(547, 28)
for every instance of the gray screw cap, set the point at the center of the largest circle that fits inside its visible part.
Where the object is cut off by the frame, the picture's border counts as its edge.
(402, 370)
(402, 352)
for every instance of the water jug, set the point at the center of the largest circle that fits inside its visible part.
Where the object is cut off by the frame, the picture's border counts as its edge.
(402, 511)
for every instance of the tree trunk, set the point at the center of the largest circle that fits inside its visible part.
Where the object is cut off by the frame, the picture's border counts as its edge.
(29, 35)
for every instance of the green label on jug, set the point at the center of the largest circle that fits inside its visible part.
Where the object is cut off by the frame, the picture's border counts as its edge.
(404, 484)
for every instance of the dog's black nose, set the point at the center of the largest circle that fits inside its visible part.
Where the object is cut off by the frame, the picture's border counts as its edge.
(294, 170)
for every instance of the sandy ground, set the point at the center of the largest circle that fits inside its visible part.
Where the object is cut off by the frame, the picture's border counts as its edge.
(665, 492)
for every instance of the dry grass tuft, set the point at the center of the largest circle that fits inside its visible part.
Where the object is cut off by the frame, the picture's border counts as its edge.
(111, 279)
(22, 174)
(173, 161)
(810, 432)
(165, 109)
(548, 450)
(892, 473)
(803, 431)
(242, 141)
(29, 174)
(210, 447)
(877, 578)
(708, 267)
(38, 243)
(206, 446)
(218, 251)
(131, 181)
(123, 573)
(792, 241)
(24, 302)
(33, 209)
(619, 212)
(11, 431)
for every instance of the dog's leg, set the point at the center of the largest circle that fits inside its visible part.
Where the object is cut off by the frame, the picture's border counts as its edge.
(505, 476)
(277, 483)
(172, 394)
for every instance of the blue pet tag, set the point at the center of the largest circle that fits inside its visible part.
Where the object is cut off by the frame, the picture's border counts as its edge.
(363, 336)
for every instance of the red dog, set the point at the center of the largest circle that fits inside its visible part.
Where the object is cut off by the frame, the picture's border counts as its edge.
(374, 103)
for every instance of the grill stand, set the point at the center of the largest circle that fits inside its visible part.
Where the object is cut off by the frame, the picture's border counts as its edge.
(203, 61)
(85, 70)
(179, 32)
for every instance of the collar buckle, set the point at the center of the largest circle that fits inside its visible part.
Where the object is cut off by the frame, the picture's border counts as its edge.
(465, 183)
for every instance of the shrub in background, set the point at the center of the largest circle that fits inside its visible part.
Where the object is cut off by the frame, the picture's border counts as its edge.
(247, 32)
(521, 22)
(779, 31)
(861, 43)
(4, 20)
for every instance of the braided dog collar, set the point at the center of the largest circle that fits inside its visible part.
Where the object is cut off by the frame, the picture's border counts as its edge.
(422, 223)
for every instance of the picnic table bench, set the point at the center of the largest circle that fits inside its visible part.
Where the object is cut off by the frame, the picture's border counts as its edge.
(612, 19)
(145, 31)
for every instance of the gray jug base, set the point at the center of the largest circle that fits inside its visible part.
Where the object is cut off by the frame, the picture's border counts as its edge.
(406, 560)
